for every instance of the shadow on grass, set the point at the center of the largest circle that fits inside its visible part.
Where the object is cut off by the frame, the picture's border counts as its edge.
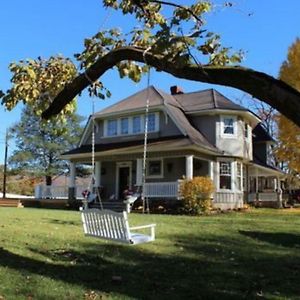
(63, 222)
(199, 269)
(276, 238)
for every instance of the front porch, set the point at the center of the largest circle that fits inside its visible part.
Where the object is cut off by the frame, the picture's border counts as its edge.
(265, 186)
(163, 175)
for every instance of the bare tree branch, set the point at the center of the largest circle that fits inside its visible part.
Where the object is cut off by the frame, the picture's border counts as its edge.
(260, 85)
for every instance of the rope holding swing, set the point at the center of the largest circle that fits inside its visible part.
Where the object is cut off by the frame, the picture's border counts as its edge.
(89, 194)
(144, 198)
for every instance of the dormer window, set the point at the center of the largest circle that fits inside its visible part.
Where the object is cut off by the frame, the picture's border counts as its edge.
(228, 126)
(131, 125)
(151, 122)
(124, 126)
(136, 124)
(112, 127)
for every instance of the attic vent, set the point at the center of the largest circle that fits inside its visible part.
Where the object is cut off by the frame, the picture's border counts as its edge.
(175, 90)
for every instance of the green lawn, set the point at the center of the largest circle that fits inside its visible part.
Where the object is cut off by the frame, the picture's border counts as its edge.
(246, 255)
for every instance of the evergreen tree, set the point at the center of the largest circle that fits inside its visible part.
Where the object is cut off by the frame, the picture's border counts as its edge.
(39, 143)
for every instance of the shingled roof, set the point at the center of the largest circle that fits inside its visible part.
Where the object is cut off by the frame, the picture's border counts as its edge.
(176, 106)
(206, 100)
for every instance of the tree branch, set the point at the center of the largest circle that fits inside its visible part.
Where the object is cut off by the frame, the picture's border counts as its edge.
(260, 85)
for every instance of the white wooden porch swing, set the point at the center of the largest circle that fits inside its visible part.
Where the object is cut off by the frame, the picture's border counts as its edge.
(107, 224)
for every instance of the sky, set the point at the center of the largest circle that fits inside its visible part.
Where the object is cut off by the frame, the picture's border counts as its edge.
(263, 29)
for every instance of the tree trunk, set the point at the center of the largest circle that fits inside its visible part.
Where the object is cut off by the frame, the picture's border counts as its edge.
(266, 88)
(48, 180)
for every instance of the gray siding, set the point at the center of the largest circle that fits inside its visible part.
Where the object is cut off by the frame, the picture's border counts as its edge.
(207, 126)
(237, 145)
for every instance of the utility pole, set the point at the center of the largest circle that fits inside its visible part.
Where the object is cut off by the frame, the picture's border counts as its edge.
(5, 165)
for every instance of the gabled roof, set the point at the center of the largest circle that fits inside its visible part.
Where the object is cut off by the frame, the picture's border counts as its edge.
(136, 101)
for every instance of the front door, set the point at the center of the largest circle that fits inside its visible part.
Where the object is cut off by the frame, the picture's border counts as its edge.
(124, 180)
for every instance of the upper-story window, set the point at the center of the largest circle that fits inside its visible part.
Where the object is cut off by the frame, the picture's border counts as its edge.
(112, 127)
(246, 130)
(151, 122)
(228, 126)
(136, 124)
(131, 125)
(124, 126)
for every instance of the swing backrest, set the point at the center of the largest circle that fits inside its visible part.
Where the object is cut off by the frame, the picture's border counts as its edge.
(106, 224)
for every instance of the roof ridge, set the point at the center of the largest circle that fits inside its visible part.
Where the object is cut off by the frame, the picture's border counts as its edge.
(123, 100)
(214, 98)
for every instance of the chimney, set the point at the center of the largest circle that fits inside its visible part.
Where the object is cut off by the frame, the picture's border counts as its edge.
(175, 90)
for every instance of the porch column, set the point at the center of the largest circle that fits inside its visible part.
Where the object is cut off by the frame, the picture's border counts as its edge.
(189, 167)
(279, 193)
(72, 183)
(211, 170)
(98, 174)
(139, 171)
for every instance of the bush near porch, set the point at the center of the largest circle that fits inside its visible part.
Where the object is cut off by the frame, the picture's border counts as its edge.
(246, 255)
(196, 195)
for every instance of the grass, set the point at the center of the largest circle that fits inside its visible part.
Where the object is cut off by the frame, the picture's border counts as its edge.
(246, 255)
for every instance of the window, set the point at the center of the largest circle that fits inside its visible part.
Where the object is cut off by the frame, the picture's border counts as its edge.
(154, 168)
(228, 126)
(246, 130)
(239, 176)
(112, 127)
(124, 126)
(151, 122)
(136, 124)
(130, 125)
(225, 175)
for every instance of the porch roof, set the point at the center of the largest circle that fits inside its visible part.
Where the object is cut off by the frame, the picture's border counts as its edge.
(161, 144)
(264, 169)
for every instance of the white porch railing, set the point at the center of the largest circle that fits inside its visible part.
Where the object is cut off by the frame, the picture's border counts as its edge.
(162, 189)
(267, 196)
(57, 192)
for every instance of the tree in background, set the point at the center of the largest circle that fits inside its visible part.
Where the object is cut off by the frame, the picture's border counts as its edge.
(39, 143)
(166, 36)
(289, 133)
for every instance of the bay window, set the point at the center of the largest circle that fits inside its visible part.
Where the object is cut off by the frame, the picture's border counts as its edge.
(225, 175)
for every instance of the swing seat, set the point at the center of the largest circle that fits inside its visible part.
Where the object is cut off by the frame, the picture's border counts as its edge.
(110, 225)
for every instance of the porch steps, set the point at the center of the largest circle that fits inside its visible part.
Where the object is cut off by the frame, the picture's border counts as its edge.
(6, 202)
(114, 206)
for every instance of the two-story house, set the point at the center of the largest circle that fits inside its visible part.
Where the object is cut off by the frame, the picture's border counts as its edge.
(189, 134)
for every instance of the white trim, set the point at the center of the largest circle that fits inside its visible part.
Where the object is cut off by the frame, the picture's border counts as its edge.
(222, 127)
(123, 164)
(161, 175)
(225, 159)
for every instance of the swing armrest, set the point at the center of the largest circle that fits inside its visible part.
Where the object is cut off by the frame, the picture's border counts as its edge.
(151, 226)
(143, 226)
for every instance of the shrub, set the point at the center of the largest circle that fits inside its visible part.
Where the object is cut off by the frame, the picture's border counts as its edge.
(196, 195)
